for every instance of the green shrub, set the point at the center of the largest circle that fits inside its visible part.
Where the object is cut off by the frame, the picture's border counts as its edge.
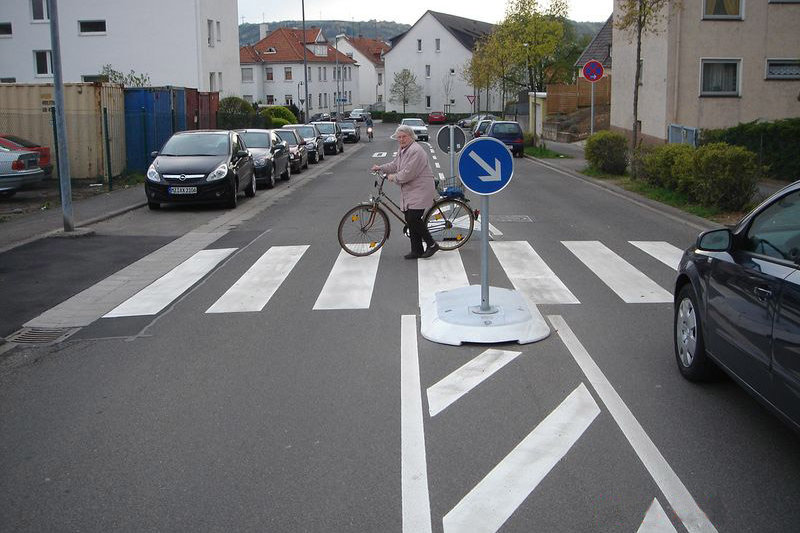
(529, 139)
(391, 117)
(724, 176)
(279, 111)
(266, 118)
(235, 112)
(658, 164)
(279, 122)
(607, 151)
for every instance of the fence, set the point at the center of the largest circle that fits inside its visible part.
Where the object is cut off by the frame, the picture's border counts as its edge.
(564, 99)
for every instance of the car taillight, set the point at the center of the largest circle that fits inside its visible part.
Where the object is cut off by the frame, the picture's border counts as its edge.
(519, 140)
(19, 164)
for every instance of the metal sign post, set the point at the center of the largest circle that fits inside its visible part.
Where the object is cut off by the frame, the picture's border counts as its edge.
(485, 167)
(593, 72)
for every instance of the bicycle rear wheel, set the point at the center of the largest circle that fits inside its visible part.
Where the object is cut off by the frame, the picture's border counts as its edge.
(363, 230)
(450, 223)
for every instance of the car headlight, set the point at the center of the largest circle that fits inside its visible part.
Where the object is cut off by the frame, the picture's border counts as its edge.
(331, 139)
(260, 161)
(152, 174)
(219, 173)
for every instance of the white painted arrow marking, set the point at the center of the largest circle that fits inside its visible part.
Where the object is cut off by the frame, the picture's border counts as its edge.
(494, 173)
(487, 507)
(656, 520)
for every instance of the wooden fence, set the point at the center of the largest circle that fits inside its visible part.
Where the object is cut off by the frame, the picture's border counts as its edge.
(562, 98)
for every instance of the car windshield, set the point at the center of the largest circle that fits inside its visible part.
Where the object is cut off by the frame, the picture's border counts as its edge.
(348, 125)
(413, 121)
(306, 132)
(507, 129)
(287, 136)
(197, 144)
(255, 139)
(326, 128)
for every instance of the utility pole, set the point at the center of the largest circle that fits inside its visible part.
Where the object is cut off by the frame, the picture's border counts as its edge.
(305, 65)
(61, 127)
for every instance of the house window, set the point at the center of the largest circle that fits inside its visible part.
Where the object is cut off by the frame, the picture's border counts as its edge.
(319, 100)
(271, 50)
(325, 73)
(350, 96)
(308, 74)
(319, 73)
(419, 45)
(39, 10)
(8, 80)
(287, 99)
(210, 24)
(427, 102)
(212, 81)
(247, 75)
(720, 77)
(452, 72)
(438, 45)
(270, 99)
(219, 81)
(427, 71)
(89, 27)
(380, 78)
(5, 29)
(43, 62)
(219, 32)
(287, 73)
(380, 98)
(248, 98)
(269, 73)
(326, 99)
(783, 69)
(722, 9)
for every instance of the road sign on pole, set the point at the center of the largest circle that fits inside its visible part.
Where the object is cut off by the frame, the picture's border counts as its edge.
(470, 98)
(443, 138)
(593, 71)
(485, 166)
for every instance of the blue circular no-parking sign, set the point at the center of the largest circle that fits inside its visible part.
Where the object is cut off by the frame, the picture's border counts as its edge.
(485, 165)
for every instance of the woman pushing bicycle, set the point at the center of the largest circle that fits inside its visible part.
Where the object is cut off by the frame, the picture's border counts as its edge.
(412, 171)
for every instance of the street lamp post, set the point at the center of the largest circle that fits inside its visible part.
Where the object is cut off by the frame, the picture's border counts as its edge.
(338, 75)
(302, 101)
(305, 103)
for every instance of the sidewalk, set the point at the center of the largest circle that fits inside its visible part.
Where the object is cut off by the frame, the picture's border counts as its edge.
(86, 211)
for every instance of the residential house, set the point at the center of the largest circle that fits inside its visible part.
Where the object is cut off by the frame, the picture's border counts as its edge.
(712, 64)
(436, 49)
(272, 71)
(187, 43)
(368, 53)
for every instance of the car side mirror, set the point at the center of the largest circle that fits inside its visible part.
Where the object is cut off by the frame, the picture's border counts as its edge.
(716, 240)
(303, 142)
(242, 153)
(154, 154)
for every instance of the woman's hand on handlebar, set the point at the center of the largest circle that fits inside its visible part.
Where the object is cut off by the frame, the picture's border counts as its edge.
(375, 168)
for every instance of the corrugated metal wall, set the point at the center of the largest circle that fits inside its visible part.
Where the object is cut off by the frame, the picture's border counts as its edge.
(25, 110)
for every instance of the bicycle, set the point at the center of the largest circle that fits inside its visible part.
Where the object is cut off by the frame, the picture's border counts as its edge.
(364, 229)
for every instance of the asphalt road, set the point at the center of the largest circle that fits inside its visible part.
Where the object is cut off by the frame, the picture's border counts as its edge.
(305, 416)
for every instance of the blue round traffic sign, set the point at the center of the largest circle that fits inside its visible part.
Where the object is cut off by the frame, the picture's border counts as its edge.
(593, 70)
(485, 165)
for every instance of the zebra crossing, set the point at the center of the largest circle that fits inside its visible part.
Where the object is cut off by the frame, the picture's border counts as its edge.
(351, 281)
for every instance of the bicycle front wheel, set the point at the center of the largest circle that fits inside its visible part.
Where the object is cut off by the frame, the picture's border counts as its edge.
(450, 223)
(363, 230)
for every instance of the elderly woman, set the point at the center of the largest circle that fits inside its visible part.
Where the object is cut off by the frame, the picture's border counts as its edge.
(411, 170)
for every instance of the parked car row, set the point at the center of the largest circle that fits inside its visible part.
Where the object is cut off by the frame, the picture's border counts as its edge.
(215, 166)
(18, 169)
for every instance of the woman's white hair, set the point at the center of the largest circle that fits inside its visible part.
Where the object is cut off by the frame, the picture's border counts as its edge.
(405, 129)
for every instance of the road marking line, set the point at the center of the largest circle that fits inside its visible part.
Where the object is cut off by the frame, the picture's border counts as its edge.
(441, 176)
(451, 388)
(656, 520)
(438, 165)
(530, 274)
(156, 296)
(379, 154)
(441, 272)
(414, 468)
(621, 277)
(350, 283)
(671, 486)
(663, 251)
(255, 288)
(487, 506)
(434, 157)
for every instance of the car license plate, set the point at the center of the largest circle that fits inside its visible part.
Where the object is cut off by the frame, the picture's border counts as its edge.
(183, 190)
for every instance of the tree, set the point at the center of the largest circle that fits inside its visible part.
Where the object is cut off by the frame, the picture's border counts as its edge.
(639, 17)
(405, 89)
(132, 79)
(448, 81)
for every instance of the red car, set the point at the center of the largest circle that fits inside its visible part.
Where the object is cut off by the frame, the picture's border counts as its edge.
(12, 142)
(436, 117)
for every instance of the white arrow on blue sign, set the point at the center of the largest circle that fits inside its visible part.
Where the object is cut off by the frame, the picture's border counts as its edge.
(485, 166)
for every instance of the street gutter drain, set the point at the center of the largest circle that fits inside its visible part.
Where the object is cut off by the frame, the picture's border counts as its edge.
(41, 336)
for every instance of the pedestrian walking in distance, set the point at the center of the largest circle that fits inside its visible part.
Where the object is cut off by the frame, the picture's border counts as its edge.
(412, 171)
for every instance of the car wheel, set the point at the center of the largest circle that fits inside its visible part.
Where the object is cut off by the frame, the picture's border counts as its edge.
(321, 154)
(306, 165)
(287, 173)
(341, 148)
(233, 201)
(690, 351)
(250, 192)
(153, 205)
(271, 178)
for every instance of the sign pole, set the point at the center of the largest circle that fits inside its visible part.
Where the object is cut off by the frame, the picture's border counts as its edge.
(485, 307)
(452, 151)
(591, 127)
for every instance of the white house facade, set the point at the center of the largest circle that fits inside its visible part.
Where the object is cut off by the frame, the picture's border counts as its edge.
(368, 54)
(272, 72)
(183, 43)
(437, 49)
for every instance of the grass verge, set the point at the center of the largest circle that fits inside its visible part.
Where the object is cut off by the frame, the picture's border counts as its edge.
(542, 152)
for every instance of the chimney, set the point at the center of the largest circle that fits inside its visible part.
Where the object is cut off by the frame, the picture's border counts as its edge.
(263, 30)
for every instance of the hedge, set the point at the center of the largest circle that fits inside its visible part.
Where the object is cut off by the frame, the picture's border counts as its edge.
(720, 175)
(769, 141)
(658, 164)
(607, 151)
(280, 111)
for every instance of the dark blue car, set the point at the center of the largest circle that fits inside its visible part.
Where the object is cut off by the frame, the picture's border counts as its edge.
(737, 304)
(510, 133)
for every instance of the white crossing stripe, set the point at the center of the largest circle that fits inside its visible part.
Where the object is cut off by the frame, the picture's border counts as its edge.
(350, 283)
(254, 289)
(438, 165)
(451, 388)
(477, 227)
(379, 154)
(441, 272)
(530, 275)
(656, 520)
(441, 176)
(156, 296)
(620, 276)
(487, 507)
(663, 251)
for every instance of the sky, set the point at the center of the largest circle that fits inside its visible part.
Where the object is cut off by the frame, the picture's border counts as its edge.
(403, 11)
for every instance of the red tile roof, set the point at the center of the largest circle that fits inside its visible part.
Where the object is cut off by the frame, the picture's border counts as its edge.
(370, 47)
(288, 46)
